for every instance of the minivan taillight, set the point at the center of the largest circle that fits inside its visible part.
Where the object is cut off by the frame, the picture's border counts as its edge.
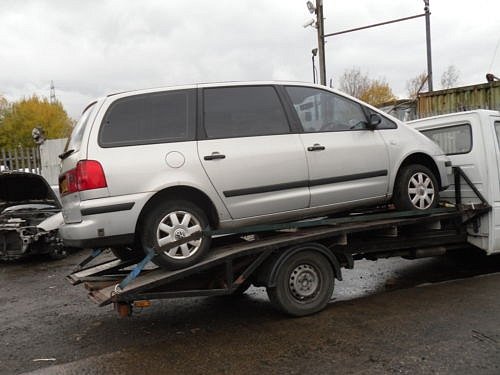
(87, 175)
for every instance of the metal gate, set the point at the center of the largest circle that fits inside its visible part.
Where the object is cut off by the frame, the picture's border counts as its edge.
(20, 159)
(42, 159)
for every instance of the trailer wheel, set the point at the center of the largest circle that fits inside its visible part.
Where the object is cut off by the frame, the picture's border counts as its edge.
(127, 253)
(416, 188)
(170, 221)
(304, 284)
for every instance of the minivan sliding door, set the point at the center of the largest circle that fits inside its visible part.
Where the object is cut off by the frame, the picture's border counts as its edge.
(247, 150)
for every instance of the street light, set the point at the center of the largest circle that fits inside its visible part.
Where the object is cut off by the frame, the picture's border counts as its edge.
(311, 7)
(309, 23)
(314, 52)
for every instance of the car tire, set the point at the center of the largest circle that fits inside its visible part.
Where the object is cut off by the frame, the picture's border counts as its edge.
(304, 284)
(170, 221)
(127, 253)
(416, 188)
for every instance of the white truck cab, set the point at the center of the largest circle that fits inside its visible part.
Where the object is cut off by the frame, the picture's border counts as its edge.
(472, 141)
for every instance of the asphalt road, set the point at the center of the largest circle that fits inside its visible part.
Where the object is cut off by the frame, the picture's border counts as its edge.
(438, 315)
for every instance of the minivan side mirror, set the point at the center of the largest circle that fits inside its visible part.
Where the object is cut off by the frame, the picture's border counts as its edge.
(373, 121)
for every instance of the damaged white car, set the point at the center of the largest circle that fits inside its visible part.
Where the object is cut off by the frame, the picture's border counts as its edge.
(30, 217)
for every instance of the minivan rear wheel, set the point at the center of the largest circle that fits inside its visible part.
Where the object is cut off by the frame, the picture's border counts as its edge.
(416, 188)
(171, 221)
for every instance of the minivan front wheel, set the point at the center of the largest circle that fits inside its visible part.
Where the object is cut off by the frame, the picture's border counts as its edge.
(171, 221)
(416, 188)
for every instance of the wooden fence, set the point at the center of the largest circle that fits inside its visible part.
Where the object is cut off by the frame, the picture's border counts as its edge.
(21, 159)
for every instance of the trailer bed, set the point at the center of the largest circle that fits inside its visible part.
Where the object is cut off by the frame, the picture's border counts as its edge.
(233, 258)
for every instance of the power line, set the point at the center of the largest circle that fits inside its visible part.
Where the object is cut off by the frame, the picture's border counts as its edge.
(494, 55)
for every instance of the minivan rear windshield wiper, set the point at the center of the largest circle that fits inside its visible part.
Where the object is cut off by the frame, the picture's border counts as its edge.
(65, 154)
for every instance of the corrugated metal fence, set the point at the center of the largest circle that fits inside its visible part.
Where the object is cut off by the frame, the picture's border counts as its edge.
(458, 99)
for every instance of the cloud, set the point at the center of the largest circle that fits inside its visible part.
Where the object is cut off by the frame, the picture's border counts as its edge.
(95, 47)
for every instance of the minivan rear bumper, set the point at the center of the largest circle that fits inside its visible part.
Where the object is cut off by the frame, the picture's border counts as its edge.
(105, 222)
(91, 243)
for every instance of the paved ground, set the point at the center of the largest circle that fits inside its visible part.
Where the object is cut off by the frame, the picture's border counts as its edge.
(381, 320)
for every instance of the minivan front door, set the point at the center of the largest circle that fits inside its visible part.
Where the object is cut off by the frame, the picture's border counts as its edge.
(254, 163)
(348, 163)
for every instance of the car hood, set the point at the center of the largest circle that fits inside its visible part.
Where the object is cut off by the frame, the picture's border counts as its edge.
(23, 187)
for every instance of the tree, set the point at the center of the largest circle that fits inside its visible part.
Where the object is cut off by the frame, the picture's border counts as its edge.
(3, 104)
(450, 77)
(359, 85)
(22, 116)
(353, 82)
(415, 85)
(377, 92)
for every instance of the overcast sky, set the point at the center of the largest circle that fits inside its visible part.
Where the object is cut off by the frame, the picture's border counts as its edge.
(92, 48)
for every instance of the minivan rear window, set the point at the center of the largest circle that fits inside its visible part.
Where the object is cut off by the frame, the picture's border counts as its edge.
(75, 140)
(149, 118)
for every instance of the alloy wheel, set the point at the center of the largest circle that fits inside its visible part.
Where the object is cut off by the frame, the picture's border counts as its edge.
(175, 226)
(421, 191)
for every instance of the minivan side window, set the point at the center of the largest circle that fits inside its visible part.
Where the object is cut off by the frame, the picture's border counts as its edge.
(385, 123)
(453, 140)
(149, 118)
(243, 111)
(323, 111)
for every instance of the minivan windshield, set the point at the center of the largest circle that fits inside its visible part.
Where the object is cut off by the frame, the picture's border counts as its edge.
(75, 140)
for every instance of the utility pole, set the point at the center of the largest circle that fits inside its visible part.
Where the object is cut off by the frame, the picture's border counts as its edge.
(321, 41)
(428, 42)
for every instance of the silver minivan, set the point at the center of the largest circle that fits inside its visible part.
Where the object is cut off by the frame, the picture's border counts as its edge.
(146, 168)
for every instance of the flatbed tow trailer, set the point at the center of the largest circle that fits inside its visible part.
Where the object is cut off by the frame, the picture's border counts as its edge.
(297, 262)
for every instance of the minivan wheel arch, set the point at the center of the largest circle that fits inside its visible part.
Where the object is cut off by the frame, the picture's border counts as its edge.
(422, 159)
(180, 192)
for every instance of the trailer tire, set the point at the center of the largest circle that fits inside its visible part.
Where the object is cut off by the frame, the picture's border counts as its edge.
(304, 284)
(175, 219)
(127, 253)
(416, 188)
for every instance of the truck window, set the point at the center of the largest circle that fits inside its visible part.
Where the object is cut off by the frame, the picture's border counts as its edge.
(454, 140)
(497, 130)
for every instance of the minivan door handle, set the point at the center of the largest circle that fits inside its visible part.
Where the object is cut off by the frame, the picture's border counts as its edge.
(316, 147)
(215, 155)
